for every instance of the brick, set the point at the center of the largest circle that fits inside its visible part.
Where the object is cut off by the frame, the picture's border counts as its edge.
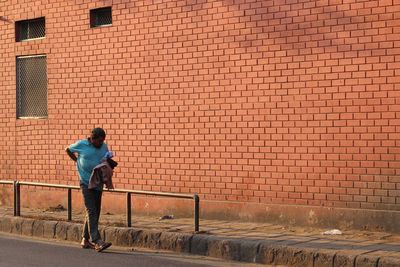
(269, 90)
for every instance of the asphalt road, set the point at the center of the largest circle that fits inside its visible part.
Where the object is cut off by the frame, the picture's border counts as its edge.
(22, 252)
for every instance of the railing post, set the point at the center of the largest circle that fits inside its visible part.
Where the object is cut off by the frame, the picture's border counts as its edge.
(69, 204)
(15, 197)
(18, 199)
(128, 209)
(196, 213)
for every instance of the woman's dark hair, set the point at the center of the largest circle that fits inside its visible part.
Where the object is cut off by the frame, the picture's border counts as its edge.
(98, 132)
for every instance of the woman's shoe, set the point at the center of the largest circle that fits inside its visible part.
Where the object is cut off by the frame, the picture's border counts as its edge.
(101, 245)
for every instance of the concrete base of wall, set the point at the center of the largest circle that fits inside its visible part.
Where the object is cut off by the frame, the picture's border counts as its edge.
(342, 218)
(293, 215)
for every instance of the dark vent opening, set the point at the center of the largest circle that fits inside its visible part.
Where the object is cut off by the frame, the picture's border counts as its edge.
(30, 29)
(100, 17)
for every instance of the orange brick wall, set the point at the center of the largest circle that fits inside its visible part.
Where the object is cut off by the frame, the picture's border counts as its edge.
(259, 101)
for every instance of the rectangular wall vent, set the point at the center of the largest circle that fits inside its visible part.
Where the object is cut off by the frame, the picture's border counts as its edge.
(30, 29)
(32, 86)
(100, 17)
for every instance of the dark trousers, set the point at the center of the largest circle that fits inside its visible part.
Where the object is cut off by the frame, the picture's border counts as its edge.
(92, 199)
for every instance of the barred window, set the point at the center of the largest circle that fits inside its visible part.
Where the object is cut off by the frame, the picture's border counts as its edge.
(100, 17)
(30, 29)
(32, 86)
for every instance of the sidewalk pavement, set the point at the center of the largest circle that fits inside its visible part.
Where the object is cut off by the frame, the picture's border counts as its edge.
(232, 240)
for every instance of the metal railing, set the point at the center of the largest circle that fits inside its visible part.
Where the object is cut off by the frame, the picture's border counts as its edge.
(17, 198)
(17, 194)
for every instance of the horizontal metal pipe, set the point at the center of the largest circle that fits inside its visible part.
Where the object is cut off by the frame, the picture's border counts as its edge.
(50, 185)
(150, 193)
(137, 192)
(6, 182)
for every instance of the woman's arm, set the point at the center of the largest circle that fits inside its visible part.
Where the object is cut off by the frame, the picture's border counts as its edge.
(71, 155)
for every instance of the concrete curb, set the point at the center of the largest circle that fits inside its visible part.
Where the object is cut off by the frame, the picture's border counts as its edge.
(269, 251)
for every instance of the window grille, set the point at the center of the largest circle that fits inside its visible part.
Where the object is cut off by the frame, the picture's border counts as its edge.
(30, 29)
(32, 86)
(100, 17)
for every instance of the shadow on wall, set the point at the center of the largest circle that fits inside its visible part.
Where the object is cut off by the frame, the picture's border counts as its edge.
(282, 25)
